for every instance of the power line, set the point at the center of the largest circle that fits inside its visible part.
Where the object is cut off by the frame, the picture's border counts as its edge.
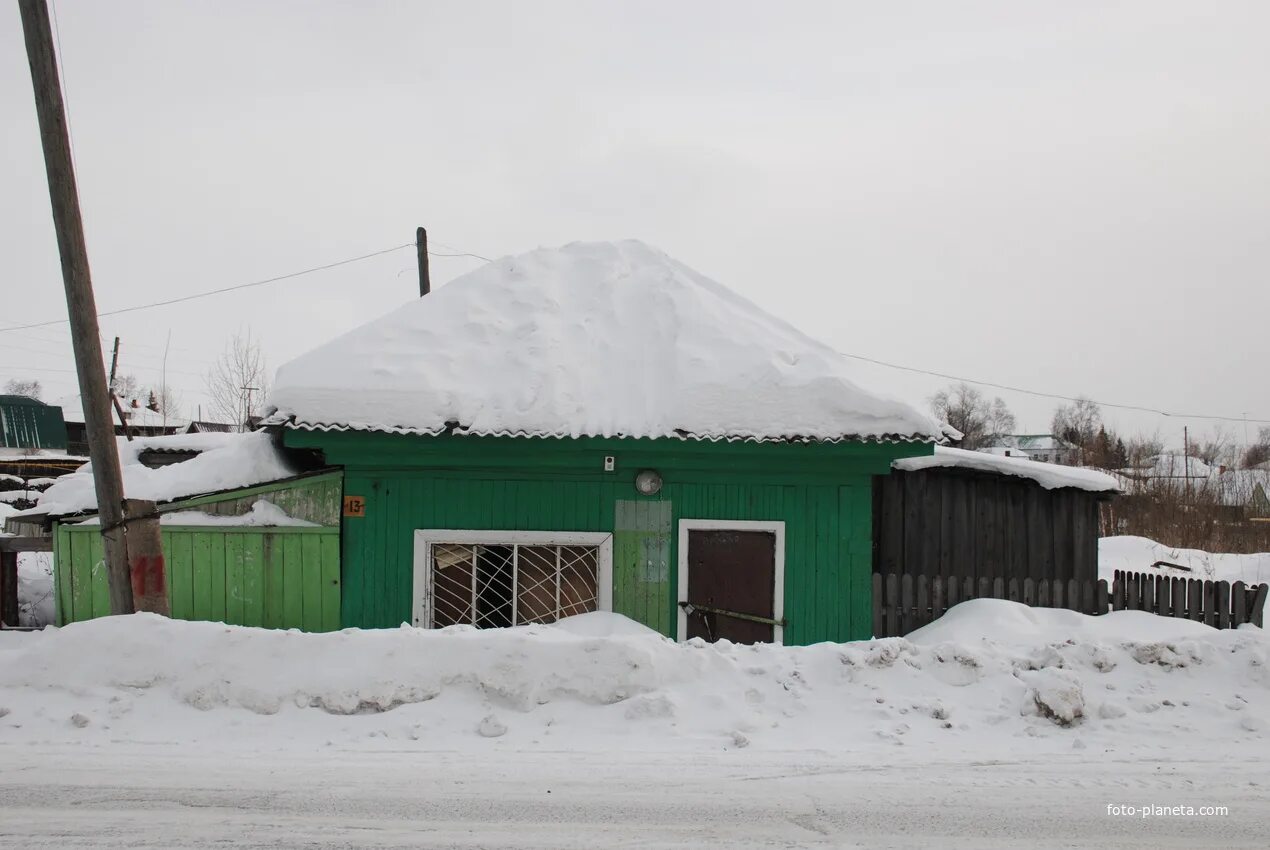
(1056, 396)
(220, 291)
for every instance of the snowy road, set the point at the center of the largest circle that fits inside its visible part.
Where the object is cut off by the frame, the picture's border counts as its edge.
(133, 796)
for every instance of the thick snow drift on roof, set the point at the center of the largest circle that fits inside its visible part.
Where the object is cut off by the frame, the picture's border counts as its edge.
(1051, 476)
(225, 461)
(592, 339)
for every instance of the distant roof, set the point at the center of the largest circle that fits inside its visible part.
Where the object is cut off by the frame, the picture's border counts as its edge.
(1029, 442)
(28, 423)
(1051, 476)
(592, 339)
(139, 417)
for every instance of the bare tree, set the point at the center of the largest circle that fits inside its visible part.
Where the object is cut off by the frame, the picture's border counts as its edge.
(965, 408)
(1078, 423)
(30, 389)
(126, 387)
(1219, 449)
(1258, 452)
(1000, 419)
(237, 383)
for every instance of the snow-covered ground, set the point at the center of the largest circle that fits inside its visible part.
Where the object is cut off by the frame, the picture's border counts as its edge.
(996, 725)
(1137, 554)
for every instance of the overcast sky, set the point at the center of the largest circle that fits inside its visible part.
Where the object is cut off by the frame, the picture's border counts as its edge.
(1072, 198)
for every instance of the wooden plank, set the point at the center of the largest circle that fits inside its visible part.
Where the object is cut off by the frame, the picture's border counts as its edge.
(1238, 604)
(1177, 598)
(1014, 590)
(1221, 601)
(254, 577)
(906, 605)
(26, 544)
(937, 603)
(100, 582)
(1042, 593)
(234, 579)
(1258, 606)
(923, 615)
(271, 613)
(8, 588)
(998, 588)
(1195, 599)
(199, 564)
(1210, 603)
(1073, 593)
(1089, 599)
(81, 578)
(216, 575)
(877, 605)
(292, 584)
(1102, 595)
(311, 557)
(330, 582)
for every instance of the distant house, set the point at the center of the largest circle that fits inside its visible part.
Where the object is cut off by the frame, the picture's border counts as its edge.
(1045, 448)
(142, 422)
(33, 439)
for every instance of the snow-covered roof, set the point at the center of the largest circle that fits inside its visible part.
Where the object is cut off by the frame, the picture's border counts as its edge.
(1029, 442)
(139, 416)
(592, 339)
(224, 462)
(1051, 476)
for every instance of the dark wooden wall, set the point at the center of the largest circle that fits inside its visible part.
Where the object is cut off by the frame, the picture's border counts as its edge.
(955, 522)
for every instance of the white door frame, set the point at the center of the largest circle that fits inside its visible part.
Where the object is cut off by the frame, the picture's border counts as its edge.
(777, 527)
(425, 538)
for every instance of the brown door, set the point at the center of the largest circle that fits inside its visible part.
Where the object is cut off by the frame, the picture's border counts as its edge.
(731, 571)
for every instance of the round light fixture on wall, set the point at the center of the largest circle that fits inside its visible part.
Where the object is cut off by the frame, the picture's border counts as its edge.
(648, 482)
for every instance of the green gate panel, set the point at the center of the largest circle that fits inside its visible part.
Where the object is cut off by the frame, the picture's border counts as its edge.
(283, 578)
(641, 561)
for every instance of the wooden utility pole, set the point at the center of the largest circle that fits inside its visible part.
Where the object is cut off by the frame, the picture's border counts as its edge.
(80, 304)
(114, 398)
(1186, 459)
(421, 245)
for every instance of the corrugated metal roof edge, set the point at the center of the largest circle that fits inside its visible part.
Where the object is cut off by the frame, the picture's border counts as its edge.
(436, 432)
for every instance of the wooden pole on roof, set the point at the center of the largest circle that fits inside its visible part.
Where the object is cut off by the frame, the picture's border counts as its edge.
(114, 399)
(81, 306)
(421, 245)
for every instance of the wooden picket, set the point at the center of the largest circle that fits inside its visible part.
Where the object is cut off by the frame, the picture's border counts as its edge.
(904, 603)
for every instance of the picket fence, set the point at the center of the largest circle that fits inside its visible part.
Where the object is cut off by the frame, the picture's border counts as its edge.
(903, 603)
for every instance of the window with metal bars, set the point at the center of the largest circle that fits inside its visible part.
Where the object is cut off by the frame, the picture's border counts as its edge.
(492, 585)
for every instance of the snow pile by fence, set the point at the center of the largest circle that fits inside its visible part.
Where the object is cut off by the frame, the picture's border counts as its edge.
(989, 678)
(1138, 554)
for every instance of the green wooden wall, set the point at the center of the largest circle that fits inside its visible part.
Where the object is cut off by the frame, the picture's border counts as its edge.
(273, 577)
(823, 493)
(277, 577)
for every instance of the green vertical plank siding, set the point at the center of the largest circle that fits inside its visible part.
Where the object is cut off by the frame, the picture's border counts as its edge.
(254, 578)
(233, 575)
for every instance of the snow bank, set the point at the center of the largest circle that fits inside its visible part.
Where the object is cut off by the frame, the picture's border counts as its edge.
(225, 461)
(592, 339)
(992, 679)
(1051, 476)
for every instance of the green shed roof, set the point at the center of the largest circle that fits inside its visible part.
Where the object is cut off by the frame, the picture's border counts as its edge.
(27, 423)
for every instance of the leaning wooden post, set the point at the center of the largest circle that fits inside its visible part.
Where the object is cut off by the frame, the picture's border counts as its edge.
(145, 557)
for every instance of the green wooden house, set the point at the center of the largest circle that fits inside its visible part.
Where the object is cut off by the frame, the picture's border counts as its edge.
(598, 427)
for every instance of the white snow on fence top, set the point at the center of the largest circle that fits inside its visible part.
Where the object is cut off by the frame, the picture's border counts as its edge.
(1051, 476)
(592, 339)
(224, 462)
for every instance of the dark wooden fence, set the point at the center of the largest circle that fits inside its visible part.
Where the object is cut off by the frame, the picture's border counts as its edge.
(902, 603)
(1217, 603)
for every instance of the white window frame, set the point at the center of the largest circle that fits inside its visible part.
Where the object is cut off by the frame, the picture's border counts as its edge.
(426, 538)
(777, 527)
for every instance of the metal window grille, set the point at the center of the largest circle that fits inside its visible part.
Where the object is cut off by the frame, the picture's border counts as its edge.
(493, 586)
